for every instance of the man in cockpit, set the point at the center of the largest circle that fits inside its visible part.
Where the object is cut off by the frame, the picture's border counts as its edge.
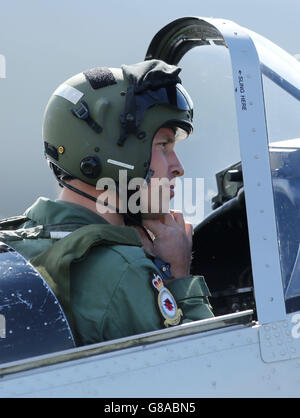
(116, 271)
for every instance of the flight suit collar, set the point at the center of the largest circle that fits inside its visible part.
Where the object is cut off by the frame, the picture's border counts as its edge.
(65, 216)
(48, 212)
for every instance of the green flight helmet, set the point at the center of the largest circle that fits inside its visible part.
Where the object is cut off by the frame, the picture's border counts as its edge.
(104, 120)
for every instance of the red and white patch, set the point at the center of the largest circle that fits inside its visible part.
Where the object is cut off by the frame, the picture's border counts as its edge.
(166, 302)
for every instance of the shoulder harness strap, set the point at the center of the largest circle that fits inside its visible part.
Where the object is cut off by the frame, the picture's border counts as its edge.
(54, 263)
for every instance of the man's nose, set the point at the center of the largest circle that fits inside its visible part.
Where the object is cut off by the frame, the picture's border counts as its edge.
(175, 165)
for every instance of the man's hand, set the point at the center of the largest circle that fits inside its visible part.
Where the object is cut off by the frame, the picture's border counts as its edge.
(173, 241)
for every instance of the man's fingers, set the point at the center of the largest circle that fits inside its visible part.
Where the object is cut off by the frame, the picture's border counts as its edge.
(172, 219)
(178, 216)
(169, 219)
(189, 229)
(156, 227)
(159, 226)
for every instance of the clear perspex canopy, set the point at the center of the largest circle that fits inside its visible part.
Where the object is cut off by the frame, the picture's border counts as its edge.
(281, 82)
(246, 93)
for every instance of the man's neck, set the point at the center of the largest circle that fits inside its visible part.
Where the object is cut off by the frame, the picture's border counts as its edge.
(73, 197)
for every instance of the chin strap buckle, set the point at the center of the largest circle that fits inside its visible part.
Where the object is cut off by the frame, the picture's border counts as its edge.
(82, 112)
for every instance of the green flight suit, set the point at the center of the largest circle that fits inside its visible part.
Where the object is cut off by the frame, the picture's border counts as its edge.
(110, 281)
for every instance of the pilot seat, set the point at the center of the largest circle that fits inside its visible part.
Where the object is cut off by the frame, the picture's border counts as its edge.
(32, 322)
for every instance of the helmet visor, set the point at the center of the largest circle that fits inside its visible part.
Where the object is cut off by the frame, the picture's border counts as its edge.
(175, 96)
(184, 101)
(182, 133)
(181, 128)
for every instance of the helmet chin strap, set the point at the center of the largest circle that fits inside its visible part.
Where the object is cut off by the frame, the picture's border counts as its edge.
(134, 220)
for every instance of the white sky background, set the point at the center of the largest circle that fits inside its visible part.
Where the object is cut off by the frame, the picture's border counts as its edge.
(46, 42)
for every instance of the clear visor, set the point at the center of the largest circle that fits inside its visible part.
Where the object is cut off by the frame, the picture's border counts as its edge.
(181, 129)
(181, 134)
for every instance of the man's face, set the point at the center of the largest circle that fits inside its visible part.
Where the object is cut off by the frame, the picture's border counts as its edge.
(166, 167)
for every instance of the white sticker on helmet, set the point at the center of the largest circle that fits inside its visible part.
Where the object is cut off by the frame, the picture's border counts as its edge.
(69, 93)
(119, 163)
